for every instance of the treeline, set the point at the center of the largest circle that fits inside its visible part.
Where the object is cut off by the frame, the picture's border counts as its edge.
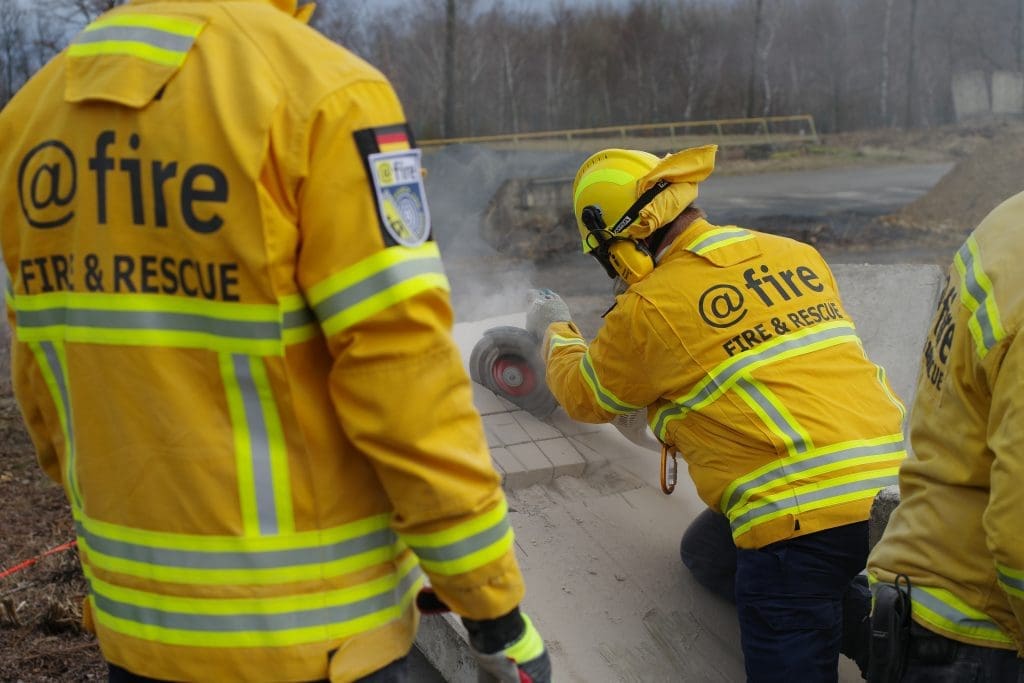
(470, 67)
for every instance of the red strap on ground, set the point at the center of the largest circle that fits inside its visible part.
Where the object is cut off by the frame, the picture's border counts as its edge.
(28, 563)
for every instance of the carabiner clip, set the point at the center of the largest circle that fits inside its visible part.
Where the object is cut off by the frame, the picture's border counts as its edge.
(669, 471)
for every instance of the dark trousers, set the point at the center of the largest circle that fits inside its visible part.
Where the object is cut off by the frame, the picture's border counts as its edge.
(817, 573)
(395, 672)
(932, 658)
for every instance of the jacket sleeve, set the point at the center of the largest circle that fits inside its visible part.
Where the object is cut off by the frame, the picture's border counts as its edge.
(608, 378)
(1003, 529)
(397, 381)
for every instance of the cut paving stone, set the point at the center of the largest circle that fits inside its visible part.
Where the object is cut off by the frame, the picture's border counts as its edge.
(565, 459)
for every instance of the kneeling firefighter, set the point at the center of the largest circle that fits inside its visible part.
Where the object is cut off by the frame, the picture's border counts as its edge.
(737, 345)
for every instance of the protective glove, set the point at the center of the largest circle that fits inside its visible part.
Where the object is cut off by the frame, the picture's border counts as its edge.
(545, 307)
(633, 426)
(508, 649)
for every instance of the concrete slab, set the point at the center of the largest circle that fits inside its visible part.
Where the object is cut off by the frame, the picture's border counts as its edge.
(598, 541)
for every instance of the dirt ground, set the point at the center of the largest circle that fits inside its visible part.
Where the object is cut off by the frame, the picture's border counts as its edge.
(40, 636)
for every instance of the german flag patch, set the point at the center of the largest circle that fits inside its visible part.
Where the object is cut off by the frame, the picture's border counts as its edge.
(393, 167)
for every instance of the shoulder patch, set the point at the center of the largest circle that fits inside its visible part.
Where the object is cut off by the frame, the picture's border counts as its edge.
(393, 167)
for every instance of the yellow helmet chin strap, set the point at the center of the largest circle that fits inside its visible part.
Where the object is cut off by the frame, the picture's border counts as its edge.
(621, 255)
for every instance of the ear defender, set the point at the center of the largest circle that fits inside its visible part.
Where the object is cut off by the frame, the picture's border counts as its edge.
(620, 256)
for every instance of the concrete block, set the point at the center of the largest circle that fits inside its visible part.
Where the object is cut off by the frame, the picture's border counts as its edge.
(504, 429)
(885, 502)
(565, 459)
(512, 471)
(443, 641)
(970, 94)
(535, 428)
(486, 402)
(569, 427)
(1007, 92)
(537, 468)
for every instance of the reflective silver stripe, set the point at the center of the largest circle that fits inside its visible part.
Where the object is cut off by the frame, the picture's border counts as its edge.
(770, 409)
(608, 401)
(375, 284)
(717, 383)
(465, 547)
(257, 622)
(136, 34)
(715, 239)
(791, 470)
(979, 294)
(922, 595)
(255, 560)
(53, 361)
(298, 318)
(263, 478)
(792, 500)
(149, 320)
(1011, 581)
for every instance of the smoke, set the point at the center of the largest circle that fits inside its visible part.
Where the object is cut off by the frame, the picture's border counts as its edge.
(461, 181)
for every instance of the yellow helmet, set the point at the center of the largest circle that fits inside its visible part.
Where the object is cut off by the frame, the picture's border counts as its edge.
(608, 180)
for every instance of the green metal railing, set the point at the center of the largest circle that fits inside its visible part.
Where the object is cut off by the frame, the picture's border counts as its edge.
(743, 131)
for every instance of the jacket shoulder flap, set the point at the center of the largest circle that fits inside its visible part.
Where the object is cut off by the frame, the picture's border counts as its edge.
(725, 246)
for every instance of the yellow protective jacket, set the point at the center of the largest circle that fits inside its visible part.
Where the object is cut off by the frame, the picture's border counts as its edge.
(738, 346)
(232, 347)
(958, 532)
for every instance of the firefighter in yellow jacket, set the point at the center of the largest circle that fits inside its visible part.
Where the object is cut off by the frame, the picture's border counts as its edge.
(955, 543)
(737, 345)
(232, 347)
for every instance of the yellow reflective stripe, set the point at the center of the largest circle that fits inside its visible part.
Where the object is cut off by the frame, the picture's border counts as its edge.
(893, 398)
(977, 296)
(266, 621)
(388, 277)
(280, 472)
(53, 365)
(558, 341)
(775, 416)
(300, 322)
(130, 48)
(606, 399)
(150, 320)
(944, 610)
(528, 647)
(1012, 580)
(162, 40)
(810, 497)
(243, 449)
(607, 175)
(206, 543)
(716, 239)
(819, 461)
(466, 546)
(725, 375)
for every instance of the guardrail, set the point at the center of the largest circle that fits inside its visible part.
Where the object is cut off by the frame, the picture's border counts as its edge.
(741, 131)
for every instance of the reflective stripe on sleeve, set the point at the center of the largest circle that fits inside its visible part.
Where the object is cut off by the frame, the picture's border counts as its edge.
(557, 341)
(718, 238)
(466, 546)
(888, 450)
(1012, 580)
(725, 376)
(237, 560)
(977, 296)
(376, 283)
(159, 39)
(265, 621)
(606, 399)
(529, 646)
